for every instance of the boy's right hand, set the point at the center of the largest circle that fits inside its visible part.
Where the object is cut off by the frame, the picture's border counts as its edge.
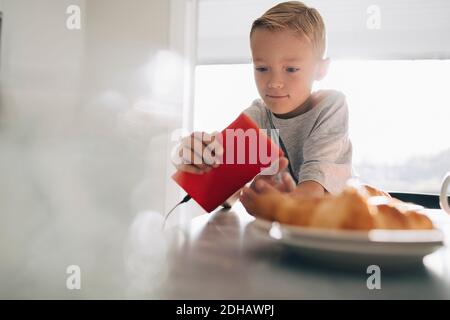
(198, 153)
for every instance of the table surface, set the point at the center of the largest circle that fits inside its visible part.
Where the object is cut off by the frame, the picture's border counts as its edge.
(197, 256)
(216, 256)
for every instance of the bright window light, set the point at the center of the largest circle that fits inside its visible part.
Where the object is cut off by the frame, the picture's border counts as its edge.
(399, 115)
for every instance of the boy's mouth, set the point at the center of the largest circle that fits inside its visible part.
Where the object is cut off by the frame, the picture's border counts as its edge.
(277, 96)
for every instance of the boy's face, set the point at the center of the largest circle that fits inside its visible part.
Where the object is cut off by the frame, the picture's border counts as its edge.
(285, 68)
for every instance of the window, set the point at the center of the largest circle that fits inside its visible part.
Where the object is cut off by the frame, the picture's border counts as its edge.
(1, 19)
(399, 115)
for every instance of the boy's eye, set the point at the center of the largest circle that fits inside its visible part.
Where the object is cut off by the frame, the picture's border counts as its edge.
(261, 69)
(292, 69)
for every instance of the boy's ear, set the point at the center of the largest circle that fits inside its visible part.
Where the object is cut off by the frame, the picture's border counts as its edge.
(322, 69)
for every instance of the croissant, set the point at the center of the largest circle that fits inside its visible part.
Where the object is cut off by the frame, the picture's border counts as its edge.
(347, 211)
(353, 209)
(390, 217)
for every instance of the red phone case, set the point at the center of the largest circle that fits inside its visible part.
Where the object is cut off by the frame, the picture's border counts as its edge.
(212, 189)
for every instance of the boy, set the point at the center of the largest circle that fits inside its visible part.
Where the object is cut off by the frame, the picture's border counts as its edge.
(288, 47)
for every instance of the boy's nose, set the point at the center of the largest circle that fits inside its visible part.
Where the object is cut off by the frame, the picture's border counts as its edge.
(275, 85)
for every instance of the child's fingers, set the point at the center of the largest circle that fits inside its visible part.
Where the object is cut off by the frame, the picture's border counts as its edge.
(268, 179)
(280, 164)
(276, 167)
(189, 157)
(215, 148)
(249, 207)
(193, 143)
(288, 182)
(264, 187)
(249, 194)
(192, 163)
(208, 157)
(213, 151)
(197, 144)
(271, 179)
(211, 148)
(259, 185)
(244, 197)
(247, 199)
(283, 164)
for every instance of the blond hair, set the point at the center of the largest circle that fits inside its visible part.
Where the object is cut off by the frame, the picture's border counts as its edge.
(297, 17)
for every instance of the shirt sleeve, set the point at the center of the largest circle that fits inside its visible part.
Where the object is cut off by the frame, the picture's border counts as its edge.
(327, 152)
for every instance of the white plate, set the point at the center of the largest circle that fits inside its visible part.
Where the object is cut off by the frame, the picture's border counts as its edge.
(389, 248)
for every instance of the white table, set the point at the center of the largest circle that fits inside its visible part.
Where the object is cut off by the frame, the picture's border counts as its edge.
(199, 256)
(217, 256)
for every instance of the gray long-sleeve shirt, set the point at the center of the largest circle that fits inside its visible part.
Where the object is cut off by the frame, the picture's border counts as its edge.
(317, 141)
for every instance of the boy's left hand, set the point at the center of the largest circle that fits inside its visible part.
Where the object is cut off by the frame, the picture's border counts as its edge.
(282, 180)
(262, 199)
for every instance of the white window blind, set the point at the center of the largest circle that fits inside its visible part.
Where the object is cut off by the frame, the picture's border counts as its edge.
(408, 29)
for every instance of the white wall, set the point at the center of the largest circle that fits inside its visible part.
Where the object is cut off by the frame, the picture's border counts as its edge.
(42, 61)
(85, 123)
(124, 46)
(55, 80)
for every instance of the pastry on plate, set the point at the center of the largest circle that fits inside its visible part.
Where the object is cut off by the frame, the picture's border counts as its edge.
(363, 208)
